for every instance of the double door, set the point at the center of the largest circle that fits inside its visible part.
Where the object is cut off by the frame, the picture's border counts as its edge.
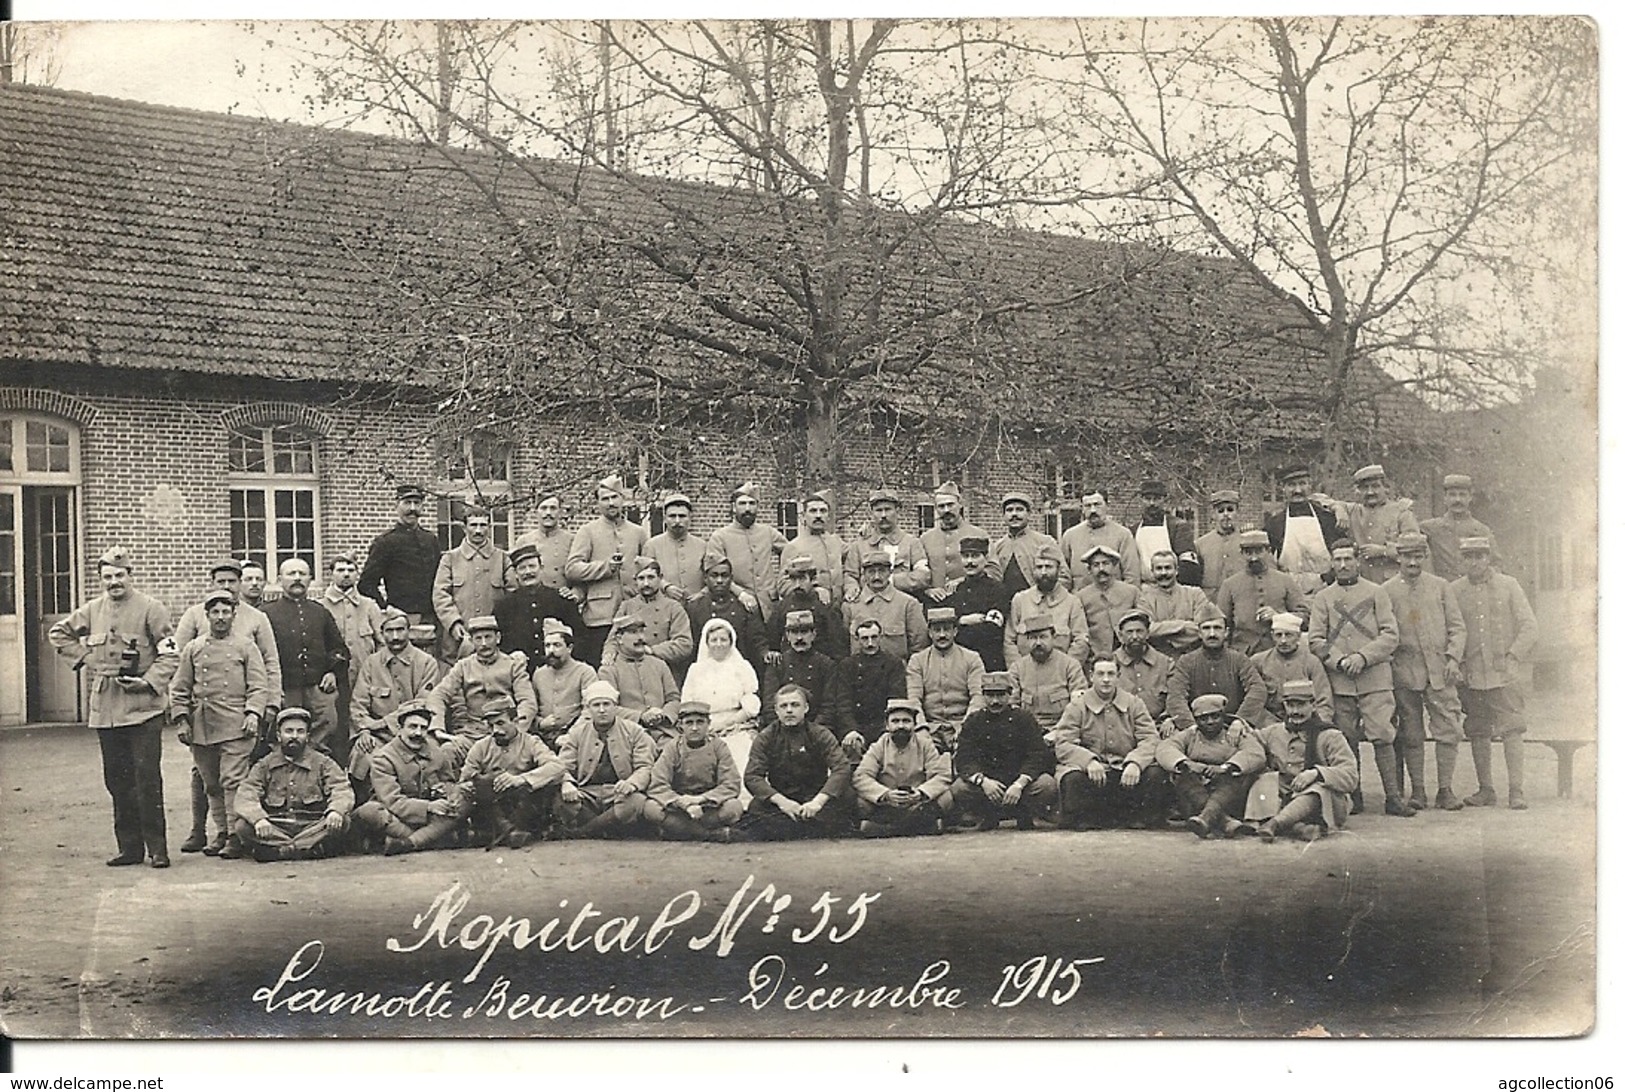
(38, 585)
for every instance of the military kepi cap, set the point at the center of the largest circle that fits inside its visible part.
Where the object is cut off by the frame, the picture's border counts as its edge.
(1207, 703)
(219, 595)
(409, 492)
(294, 712)
(624, 621)
(1475, 544)
(1298, 690)
(1255, 538)
(941, 614)
(693, 709)
(677, 500)
(1037, 623)
(801, 564)
(498, 704)
(994, 681)
(884, 495)
(524, 553)
(1153, 487)
(1286, 622)
(483, 622)
(1371, 473)
(1017, 497)
(417, 707)
(1458, 481)
(1134, 615)
(1224, 496)
(973, 544)
(902, 705)
(1411, 542)
(800, 620)
(227, 565)
(116, 556)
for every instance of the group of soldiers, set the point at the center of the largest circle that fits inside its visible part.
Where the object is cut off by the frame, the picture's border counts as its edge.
(745, 685)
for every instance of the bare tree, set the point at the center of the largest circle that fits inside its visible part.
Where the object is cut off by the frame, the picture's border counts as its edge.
(837, 267)
(28, 53)
(1395, 183)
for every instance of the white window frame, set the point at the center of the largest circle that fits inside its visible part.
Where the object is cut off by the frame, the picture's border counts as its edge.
(267, 484)
(495, 492)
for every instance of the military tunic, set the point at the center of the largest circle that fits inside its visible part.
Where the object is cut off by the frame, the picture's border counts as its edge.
(1145, 677)
(911, 570)
(1220, 556)
(902, 621)
(942, 551)
(1226, 672)
(1080, 538)
(247, 622)
(561, 694)
(1243, 593)
(307, 787)
(385, 681)
(948, 685)
(916, 764)
(1104, 609)
(523, 615)
(1045, 689)
(469, 582)
(96, 636)
(975, 597)
(589, 564)
(1114, 732)
(860, 690)
(1181, 602)
(813, 671)
(553, 551)
(217, 683)
(403, 559)
(753, 552)
(360, 621)
(707, 771)
(1444, 534)
(1011, 560)
(458, 700)
(828, 555)
(1063, 608)
(680, 560)
(1301, 666)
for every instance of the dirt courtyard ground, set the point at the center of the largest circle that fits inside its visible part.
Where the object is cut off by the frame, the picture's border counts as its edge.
(1478, 923)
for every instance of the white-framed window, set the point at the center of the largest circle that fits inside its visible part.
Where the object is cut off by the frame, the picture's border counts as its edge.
(927, 515)
(787, 517)
(40, 449)
(476, 469)
(275, 494)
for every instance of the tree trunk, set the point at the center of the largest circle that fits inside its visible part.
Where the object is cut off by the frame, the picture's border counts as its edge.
(823, 443)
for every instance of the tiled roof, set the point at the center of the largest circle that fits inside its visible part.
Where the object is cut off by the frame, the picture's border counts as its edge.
(144, 237)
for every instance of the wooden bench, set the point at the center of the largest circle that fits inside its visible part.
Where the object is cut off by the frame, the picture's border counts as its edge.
(1564, 748)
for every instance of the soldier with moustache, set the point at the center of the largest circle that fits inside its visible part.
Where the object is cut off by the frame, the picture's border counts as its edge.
(1105, 598)
(1378, 520)
(1317, 770)
(1045, 676)
(314, 658)
(560, 682)
(1156, 531)
(458, 700)
(901, 618)
(124, 641)
(981, 604)
(1163, 597)
(247, 621)
(942, 542)
(1250, 599)
(902, 784)
(471, 579)
(1302, 533)
(1288, 660)
(552, 544)
(1215, 668)
(295, 803)
(814, 539)
(1004, 767)
(1501, 636)
(864, 682)
(217, 698)
(1141, 669)
(523, 615)
(945, 679)
(801, 663)
(608, 761)
(397, 673)
(1352, 630)
(1014, 559)
(415, 804)
(1444, 533)
(1219, 551)
(401, 563)
(600, 561)
(666, 626)
(510, 779)
(910, 569)
(1427, 671)
(648, 693)
(678, 551)
(1097, 529)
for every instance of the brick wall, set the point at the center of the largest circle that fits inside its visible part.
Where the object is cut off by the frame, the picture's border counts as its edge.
(154, 465)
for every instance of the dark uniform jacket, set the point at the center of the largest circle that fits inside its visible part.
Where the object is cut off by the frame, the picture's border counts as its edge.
(857, 701)
(521, 614)
(309, 786)
(404, 558)
(1003, 746)
(811, 670)
(799, 762)
(830, 635)
(978, 595)
(308, 642)
(1229, 673)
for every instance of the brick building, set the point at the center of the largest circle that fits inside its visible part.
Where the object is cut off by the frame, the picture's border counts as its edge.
(185, 306)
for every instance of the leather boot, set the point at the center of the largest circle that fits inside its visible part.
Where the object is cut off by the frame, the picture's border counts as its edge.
(1483, 754)
(1388, 768)
(199, 837)
(1416, 766)
(1512, 748)
(1444, 757)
